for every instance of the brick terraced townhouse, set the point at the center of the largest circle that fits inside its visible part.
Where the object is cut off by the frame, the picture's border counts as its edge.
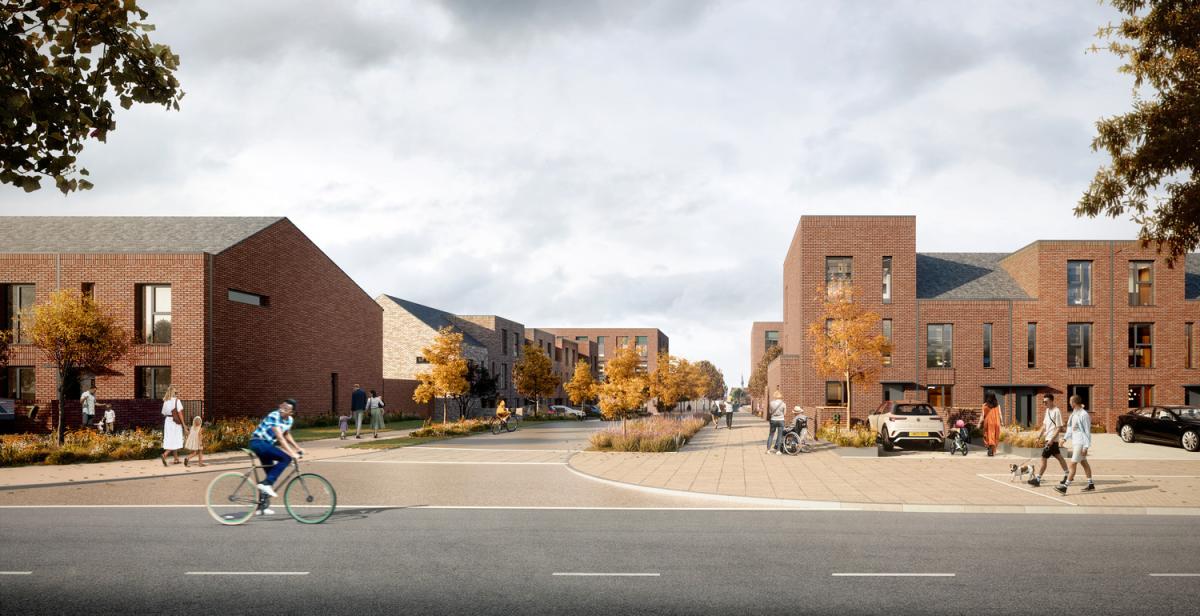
(237, 313)
(1107, 320)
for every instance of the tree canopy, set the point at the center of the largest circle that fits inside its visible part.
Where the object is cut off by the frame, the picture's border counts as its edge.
(582, 387)
(757, 386)
(534, 375)
(64, 64)
(626, 388)
(1155, 169)
(714, 380)
(847, 341)
(447, 374)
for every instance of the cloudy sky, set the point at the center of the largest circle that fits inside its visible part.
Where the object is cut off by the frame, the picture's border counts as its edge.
(611, 163)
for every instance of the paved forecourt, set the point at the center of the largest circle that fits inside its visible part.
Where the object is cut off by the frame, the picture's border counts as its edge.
(733, 463)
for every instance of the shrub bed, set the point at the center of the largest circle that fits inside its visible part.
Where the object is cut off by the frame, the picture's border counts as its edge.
(650, 434)
(462, 427)
(91, 446)
(858, 436)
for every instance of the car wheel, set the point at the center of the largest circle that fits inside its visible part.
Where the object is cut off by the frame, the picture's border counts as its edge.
(1191, 441)
(888, 445)
(1127, 433)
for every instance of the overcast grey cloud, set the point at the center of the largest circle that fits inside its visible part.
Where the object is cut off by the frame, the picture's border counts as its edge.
(614, 163)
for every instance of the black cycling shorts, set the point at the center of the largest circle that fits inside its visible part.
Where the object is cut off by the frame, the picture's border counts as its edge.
(1050, 450)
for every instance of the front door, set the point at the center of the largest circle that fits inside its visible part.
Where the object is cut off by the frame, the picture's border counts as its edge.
(1193, 396)
(893, 391)
(1026, 407)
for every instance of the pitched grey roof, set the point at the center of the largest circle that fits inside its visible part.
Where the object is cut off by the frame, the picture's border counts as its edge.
(434, 318)
(127, 234)
(1192, 276)
(965, 275)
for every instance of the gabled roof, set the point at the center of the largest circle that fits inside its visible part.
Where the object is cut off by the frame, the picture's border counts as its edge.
(1192, 276)
(127, 234)
(965, 275)
(434, 318)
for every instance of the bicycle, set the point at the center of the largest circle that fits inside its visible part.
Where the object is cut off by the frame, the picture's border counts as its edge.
(233, 497)
(508, 424)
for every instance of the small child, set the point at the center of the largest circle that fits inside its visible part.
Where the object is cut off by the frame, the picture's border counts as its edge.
(195, 443)
(343, 425)
(110, 420)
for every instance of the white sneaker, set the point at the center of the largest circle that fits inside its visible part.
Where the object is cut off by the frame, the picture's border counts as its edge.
(267, 511)
(268, 490)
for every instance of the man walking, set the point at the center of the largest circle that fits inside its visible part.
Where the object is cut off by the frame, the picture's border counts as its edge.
(1052, 429)
(776, 411)
(358, 406)
(88, 402)
(1079, 430)
(729, 416)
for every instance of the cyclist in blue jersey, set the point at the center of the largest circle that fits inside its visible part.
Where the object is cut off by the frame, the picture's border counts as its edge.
(273, 433)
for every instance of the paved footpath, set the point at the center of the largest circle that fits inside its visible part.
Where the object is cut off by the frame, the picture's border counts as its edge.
(733, 464)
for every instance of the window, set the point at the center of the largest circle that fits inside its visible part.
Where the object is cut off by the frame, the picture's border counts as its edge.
(642, 344)
(600, 346)
(772, 340)
(835, 393)
(504, 376)
(421, 359)
(1141, 395)
(1187, 340)
(88, 290)
(252, 299)
(1141, 283)
(838, 274)
(1141, 345)
(558, 355)
(504, 342)
(1079, 345)
(939, 395)
(886, 359)
(154, 318)
(622, 342)
(1083, 391)
(887, 280)
(987, 345)
(152, 381)
(1079, 283)
(20, 383)
(1031, 345)
(581, 338)
(18, 302)
(939, 345)
(516, 344)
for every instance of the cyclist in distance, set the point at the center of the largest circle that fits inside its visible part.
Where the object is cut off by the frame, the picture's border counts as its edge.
(271, 434)
(502, 412)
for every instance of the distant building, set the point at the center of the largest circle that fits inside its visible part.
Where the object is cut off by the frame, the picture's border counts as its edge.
(605, 340)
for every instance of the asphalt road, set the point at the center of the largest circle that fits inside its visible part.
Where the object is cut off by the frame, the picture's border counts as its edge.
(504, 561)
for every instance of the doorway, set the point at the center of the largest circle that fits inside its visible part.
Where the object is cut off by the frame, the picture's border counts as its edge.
(1026, 407)
(1192, 395)
(893, 391)
(333, 390)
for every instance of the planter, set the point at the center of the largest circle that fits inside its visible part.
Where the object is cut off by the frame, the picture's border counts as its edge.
(858, 452)
(1020, 452)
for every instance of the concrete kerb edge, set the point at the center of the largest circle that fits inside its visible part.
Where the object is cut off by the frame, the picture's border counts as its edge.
(812, 505)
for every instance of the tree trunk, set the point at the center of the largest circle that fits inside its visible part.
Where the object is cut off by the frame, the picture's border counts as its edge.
(848, 394)
(62, 384)
(443, 411)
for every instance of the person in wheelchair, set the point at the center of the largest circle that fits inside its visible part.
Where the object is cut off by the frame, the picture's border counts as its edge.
(272, 442)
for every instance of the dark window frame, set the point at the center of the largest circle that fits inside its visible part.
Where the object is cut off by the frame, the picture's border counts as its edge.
(885, 326)
(987, 345)
(152, 390)
(1031, 345)
(843, 277)
(238, 296)
(1136, 285)
(1083, 282)
(886, 291)
(1144, 398)
(945, 395)
(1084, 344)
(945, 341)
(841, 389)
(148, 316)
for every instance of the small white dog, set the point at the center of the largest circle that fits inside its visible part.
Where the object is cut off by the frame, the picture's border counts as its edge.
(1018, 471)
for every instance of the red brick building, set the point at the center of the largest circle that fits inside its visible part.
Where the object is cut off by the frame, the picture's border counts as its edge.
(650, 342)
(1107, 320)
(236, 313)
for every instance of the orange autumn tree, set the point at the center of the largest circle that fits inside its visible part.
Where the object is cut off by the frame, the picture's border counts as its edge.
(847, 342)
(447, 375)
(76, 333)
(626, 388)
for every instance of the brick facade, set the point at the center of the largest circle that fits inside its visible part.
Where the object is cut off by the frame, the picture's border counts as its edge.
(656, 341)
(1026, 287)
(504, 339)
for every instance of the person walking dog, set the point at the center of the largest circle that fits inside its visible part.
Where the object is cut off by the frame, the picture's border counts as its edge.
(1052, 429)
(1079, 432)
(776, 411)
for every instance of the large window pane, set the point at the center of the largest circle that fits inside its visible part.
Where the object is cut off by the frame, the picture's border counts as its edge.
(1141, 345)
(1141, 283)
(1083, 391)
(20, 383)
(772, 339)
(600, 346)
(1141, 395)
(1079, 283)
(643, 344)
(987, 345)
(939, 395)
(1079, 345)
(838, 274)
(19, 307)
(155, 309)
(835, 393)
(939, 345)
(1031, 345)
(153, 381)
(887, 335)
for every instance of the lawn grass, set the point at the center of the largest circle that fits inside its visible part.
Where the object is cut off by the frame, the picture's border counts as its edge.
(313, 433)
(396, 443)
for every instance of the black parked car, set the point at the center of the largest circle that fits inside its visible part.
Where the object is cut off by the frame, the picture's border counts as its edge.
(1175, 425)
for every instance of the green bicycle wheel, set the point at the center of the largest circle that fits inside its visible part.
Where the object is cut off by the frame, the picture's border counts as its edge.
(510, 425)
(232, 498)
(309, 498)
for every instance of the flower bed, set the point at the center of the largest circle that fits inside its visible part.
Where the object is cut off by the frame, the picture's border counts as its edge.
(858, 436)
(92, 446)
(650, 434)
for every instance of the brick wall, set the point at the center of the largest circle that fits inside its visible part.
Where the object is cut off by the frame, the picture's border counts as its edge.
(398, 395)
(501, 356)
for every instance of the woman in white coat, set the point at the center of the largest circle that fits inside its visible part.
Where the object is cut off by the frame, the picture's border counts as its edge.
(172, 410)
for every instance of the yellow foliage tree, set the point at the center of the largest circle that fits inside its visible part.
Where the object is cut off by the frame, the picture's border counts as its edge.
(627, 387)
(76, 333)
(582, 387)
(668, 381)
(447, 375)
(846, 341)
(534, 375)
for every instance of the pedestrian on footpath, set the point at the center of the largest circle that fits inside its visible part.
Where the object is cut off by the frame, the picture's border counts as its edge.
(343, 425)
(729, 417)
(989, 423)
(87, 402)
(1052, 429)
(375, 407)
(172, 410)
(777, 410)
(358, 406)
(195, 443)
(1079, 432)
(716, 415)
(110, 419)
